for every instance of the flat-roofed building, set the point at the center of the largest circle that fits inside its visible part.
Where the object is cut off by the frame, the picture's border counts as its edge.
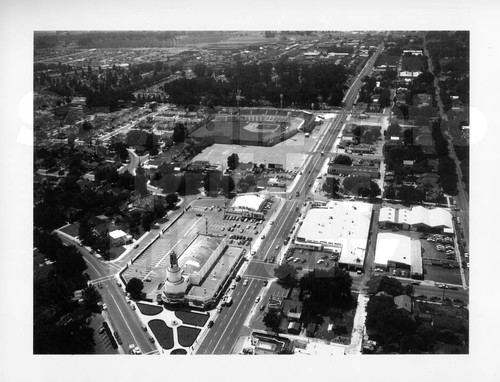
(249, 205)
(399, 251)
(342, 228)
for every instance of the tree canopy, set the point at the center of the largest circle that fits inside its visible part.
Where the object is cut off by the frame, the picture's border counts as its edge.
(134, 287)
(343, 159)
(233, 161)
(272, 320)
(286, 274)
(322, 289)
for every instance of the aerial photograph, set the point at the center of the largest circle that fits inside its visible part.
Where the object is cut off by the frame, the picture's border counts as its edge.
(250, 192)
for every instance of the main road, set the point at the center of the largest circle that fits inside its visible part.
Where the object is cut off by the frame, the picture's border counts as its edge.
(222, 338)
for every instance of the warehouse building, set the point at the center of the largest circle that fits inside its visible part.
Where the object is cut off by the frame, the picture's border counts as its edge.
(341, 228)
(399, 252)
(418, 218)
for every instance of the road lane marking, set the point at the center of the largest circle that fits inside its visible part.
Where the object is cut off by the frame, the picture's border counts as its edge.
(124, 320)
(241, 300)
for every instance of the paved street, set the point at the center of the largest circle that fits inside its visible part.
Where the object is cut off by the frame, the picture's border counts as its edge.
(286, 219)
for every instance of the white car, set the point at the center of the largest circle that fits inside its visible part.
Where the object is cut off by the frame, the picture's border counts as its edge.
(104, 307)
(257, 299)
(245, 283)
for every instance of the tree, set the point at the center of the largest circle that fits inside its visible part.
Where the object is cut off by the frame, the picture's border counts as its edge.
(409, 290)
(87, 126)
(286, 274)
(272, 320)
(227, 184)
(331, 186)
(233, 161)
(394, 130)
(91, 298)
(134, 287)
(324, 289)
(391, 285)
(385, 98)
(171, 200)
(343, 159)
(179, 134)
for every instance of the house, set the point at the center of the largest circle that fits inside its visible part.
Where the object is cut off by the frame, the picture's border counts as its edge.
(404, 302)
(311, 329)
(293, 316)
(294, 327)
(118, 237)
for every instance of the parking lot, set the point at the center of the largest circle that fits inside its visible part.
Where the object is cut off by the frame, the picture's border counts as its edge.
(440, 260)
(101, 338)
(307, 260)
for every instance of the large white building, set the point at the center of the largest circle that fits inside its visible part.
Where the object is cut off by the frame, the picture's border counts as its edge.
(341, 227)
(418, 218)
(399, 251)
(249, 205)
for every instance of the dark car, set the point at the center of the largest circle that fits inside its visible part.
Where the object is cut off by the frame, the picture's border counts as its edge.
(152, 339)
(238, 278)
(265, 282)
(210, 324)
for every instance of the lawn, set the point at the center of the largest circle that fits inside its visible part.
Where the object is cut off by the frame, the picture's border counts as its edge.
(149, 310)
(187, 335)
(115, 252)
(71, 230)
(192, 318)
(179, 351)
(163, 333)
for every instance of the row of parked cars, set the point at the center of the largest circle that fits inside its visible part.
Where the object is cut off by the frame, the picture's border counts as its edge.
(436, 238)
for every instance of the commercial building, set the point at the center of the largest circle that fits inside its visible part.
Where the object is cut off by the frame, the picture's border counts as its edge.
(197, 277)
(399, 252)
(418, 218)
(341, 228)
(249, 205)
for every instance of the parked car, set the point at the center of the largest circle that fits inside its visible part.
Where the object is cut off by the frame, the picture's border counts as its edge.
(245, 283)
(210, 324)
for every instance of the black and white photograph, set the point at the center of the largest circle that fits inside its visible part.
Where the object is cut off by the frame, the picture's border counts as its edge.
(262, 187)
